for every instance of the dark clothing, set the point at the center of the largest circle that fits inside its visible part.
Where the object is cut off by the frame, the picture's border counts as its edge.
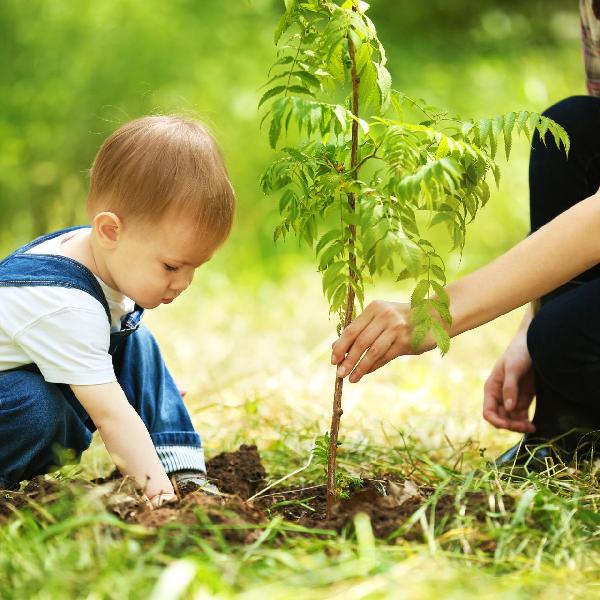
(564, 336)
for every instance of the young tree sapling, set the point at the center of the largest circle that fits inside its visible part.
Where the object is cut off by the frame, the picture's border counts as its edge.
(372, 170)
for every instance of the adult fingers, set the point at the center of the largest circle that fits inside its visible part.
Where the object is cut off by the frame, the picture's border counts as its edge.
(378, 349)
(510, 389)
(396, 349)
(502, 419)
(364, 341)
(512, 424)
(342, 345)
(492, 390)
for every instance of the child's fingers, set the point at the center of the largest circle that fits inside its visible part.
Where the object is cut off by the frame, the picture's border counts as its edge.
(161, 499)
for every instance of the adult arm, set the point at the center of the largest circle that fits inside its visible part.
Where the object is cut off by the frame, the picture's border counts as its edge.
(554, 254)
(125, 437)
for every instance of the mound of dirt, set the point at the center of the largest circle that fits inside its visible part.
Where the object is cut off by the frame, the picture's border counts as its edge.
(387, 503)
(240, 472)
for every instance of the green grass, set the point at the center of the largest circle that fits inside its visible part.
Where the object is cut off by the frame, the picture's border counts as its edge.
(255, 364)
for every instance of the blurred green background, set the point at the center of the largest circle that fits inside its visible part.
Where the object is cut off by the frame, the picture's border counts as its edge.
(72, 72)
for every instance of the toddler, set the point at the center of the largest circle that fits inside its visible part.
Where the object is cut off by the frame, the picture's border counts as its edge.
(73, 355)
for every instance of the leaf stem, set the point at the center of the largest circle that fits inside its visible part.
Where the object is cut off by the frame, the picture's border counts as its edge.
(287, 85)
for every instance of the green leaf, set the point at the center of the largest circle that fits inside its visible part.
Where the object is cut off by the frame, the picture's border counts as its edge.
(351, 218)
(497, 123)
(274, 131)
(287, 197)
(384, 83)
(419, 292)
(309, 230)
(440, 292)
(307, 78)
(485, 127)
(533, 121)
(368, 90)
(295, 154)
(542, 128)
(358, 291)
(270, 93)
(282, 25)
(277, 110)
(522, 122)
(284, 60)
(329, 254)
(327, 238)
(419, 333)
(338, 297)
(333, 277)
(440, 335)
(443, 148)
(509, 123)
(404, 274)
(341, 113)
(496, 172)
(564, 138)
(383, 253)
(466, 127)
(438, 273)
(442, 310)
(441, 217)
(300, 89)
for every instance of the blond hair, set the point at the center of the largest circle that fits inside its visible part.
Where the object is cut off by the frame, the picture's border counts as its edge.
(158, 163)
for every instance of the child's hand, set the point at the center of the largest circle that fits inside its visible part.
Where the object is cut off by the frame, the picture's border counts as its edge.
(510, 388)
(162, 498)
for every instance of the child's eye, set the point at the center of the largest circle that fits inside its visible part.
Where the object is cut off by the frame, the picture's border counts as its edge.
(170, 268)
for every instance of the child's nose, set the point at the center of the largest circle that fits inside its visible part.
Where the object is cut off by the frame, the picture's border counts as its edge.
(182, 283)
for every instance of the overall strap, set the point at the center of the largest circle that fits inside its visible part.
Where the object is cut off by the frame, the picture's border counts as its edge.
(51, 270)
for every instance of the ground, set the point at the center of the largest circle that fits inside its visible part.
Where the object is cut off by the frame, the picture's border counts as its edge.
(424, 515)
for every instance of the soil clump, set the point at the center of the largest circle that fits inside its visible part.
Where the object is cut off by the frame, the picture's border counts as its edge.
(240, 472)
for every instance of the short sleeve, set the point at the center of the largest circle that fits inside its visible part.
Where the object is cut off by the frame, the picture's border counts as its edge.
(70, 346)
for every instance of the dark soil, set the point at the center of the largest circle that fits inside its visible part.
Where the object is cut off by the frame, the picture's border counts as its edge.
(239, 475)
(240, 472)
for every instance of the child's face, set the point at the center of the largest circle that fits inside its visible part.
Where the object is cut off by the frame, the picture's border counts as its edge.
(154, 263)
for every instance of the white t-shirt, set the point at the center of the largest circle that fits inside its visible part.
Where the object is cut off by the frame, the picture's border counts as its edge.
(64, 331)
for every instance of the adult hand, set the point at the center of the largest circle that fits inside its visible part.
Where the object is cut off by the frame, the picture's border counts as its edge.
(510, 388)
(382, 332)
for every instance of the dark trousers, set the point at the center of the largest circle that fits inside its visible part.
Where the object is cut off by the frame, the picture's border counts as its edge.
(564, 336)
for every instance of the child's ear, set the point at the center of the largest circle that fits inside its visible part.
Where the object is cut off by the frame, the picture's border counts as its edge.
(108, 228)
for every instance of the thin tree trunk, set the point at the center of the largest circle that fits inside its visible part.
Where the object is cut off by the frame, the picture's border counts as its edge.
(339, 382)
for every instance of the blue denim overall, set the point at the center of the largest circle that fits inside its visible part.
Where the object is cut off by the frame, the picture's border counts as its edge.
(35, 415)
